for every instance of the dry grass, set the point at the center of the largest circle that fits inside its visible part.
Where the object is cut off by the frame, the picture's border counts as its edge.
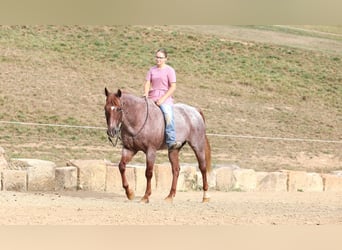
(246, 82)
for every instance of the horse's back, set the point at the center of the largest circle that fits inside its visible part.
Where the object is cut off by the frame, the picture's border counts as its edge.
(189, 122)
(187, 111)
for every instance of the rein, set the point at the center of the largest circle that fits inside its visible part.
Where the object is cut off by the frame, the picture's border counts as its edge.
(118, 136)
(147, 113)
(116, 141)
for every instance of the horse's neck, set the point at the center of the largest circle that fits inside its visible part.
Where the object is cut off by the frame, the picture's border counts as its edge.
(134, 109)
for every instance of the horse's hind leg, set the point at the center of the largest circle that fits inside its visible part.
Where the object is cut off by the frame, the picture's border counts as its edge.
(174, 160)
(126, 156)
(202, 165)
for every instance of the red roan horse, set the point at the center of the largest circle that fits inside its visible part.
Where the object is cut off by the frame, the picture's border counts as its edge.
(140, 124)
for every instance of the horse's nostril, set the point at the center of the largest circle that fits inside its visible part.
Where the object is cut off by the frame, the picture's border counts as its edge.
(110, 132)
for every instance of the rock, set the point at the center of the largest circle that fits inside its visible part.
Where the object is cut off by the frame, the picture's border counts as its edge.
(17, 165)
(91, 174)
(66, 178)
(187, 179)
(315, 182)
(224, 179)
(332, 182)
(211, 177)
(233, 178)
(113, 180)
(14, 180)
(337, 172)
(300, 181)
(163, 174)
(244, 180)
(3, 160)
(273, 181)
(40, 174)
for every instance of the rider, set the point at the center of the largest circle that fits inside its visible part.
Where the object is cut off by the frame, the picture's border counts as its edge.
(159, 86)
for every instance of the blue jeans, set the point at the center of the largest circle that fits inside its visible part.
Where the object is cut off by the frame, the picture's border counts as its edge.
(170, 132)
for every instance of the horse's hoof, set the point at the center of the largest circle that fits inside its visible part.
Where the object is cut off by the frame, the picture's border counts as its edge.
(144, 200)
(130, 195)
(169, 199)
(205, 200)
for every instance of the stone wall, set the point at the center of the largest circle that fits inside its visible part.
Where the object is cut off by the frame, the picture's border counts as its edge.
(102, 176)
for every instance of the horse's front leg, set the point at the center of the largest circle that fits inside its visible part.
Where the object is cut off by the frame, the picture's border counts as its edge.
(126, 156)
(174, 160)
(150, 159)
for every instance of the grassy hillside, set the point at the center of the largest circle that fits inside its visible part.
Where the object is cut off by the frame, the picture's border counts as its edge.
(267, 81)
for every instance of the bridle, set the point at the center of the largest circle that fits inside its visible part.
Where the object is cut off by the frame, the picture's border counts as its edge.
(118, 134)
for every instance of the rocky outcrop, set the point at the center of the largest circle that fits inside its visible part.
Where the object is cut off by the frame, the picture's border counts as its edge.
(3, 160)
(103, 176)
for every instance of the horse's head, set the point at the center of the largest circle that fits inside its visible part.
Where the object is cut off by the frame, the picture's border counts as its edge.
(113, 112)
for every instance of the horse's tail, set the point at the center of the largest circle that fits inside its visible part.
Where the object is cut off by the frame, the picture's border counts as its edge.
(207, 154)
(207, 147)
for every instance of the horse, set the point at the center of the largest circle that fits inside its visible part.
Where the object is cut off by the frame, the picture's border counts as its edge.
(140, 125)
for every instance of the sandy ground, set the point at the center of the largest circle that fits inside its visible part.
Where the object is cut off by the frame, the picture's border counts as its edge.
(225, 208)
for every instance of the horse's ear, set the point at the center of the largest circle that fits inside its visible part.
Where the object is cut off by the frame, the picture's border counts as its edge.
(106, 91)
(119, 93)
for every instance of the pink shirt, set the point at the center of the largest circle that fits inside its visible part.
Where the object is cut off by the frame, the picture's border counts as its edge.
(160, 80)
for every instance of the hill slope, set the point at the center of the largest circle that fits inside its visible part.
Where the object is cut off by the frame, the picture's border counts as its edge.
(249, 81)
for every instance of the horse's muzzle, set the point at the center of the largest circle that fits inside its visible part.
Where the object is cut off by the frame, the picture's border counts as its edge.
(112, 132)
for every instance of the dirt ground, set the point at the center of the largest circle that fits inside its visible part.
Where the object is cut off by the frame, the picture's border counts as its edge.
(225, 208)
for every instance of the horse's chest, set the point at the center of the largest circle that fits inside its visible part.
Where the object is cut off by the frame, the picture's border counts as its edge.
(132, 143)
(128, 141)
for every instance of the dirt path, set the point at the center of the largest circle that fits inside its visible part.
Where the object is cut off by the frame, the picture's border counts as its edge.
(226, 208)
(246, 34)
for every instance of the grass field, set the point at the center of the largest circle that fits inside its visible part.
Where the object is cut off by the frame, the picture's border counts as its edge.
(264, 81)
